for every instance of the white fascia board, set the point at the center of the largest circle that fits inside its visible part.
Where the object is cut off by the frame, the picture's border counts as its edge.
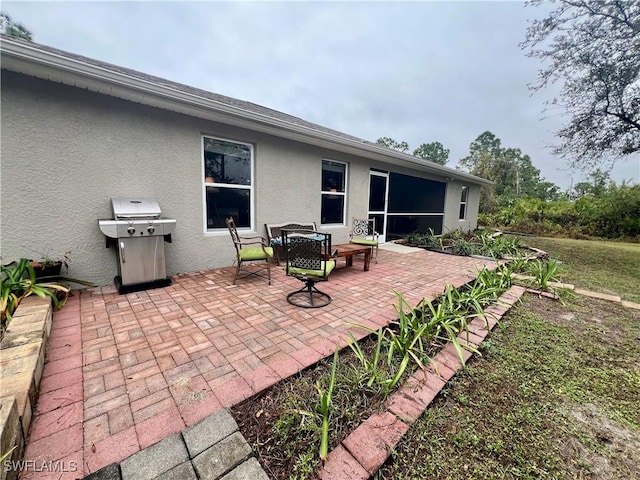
(33, 61)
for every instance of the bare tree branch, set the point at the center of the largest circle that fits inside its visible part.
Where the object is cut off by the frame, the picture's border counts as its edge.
(593, 49)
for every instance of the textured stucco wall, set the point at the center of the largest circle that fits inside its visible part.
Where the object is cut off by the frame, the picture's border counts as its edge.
(452, 207)
(473, 207)
(66, 151)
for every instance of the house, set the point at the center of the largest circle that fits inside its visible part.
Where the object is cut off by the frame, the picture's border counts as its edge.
(77, 131)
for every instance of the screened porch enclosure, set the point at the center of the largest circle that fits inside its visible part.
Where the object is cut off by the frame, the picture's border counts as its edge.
(413, 204)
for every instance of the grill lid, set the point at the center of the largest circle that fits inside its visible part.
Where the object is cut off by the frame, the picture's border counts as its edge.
(130, 208)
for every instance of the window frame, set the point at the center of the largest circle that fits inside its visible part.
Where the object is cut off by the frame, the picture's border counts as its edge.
(223, 230)
(338, 193)
(464, 202)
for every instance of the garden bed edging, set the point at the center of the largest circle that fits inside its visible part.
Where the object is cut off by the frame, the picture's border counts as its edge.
(22, 353)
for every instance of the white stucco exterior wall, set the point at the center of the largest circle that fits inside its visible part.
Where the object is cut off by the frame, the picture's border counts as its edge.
(66, 151)
(452, 206)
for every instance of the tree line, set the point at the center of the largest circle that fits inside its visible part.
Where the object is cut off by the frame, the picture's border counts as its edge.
(522, 200)
(592, 49)
(511, 170)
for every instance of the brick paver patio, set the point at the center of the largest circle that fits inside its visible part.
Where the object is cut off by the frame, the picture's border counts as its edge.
(125, 371)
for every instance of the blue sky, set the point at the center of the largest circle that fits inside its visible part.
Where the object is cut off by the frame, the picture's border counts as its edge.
(413, 71)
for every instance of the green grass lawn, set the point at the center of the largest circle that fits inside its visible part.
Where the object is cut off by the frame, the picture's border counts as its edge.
(555, 395)
(607, 267)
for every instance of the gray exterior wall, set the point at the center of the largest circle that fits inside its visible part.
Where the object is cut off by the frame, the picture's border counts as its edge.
(66, 151)
(452, 206)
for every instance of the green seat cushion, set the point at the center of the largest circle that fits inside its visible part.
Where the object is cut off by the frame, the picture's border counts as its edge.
(331, 264)
(364, 241)
(255, 253)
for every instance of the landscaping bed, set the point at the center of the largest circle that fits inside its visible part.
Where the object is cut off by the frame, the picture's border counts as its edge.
(293, 425)
(607, 267)
(21, 366)
(483, 243)
(280, 423)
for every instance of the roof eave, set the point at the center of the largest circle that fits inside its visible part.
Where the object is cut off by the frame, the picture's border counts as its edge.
(31, 60)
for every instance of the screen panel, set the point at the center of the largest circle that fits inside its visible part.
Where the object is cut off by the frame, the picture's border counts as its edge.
(408, 194)
(399, 226)
(377, 193)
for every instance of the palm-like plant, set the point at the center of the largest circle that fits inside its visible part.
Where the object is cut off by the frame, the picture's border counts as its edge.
(495, 281)
(463, 247)
(18, 282)
(410, 336)
(447, 319)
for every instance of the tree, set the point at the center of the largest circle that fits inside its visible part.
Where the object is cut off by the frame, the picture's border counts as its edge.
(9, 27)
(433, 151)
(511, 170)
(597, 187)
(548, 191)
(391, 143)
(593, 48)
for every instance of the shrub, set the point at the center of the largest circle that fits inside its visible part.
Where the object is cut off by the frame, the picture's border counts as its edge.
(615, 213)
(428, 239)
(463, 247)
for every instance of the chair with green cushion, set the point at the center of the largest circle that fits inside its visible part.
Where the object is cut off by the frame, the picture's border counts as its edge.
(363, 232)
(310, 259)
(246, 253)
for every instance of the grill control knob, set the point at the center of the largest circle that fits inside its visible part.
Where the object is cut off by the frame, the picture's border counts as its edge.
(131, 230)
(151, 229)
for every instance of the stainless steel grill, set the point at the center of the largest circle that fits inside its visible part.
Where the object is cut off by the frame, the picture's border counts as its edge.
(139, 231)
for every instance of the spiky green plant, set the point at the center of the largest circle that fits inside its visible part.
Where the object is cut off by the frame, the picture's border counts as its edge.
(371, 365)
(474, 298)
(428, 239)
(495, 281)
(409, 335)
(18, 282)
(543, 272)
(454, 234)
(324, 407)
(498, 246)
(447, 320)
(463, 247)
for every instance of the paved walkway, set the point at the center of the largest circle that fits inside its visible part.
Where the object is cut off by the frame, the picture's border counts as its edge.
(126, 371)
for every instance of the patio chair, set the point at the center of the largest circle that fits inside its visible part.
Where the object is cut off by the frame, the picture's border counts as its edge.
(363, 232)
(309, 259)
(249, 254)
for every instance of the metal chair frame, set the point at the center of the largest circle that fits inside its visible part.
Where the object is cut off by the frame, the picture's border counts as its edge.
(362, 227)
(304, 250)
(241, 242)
